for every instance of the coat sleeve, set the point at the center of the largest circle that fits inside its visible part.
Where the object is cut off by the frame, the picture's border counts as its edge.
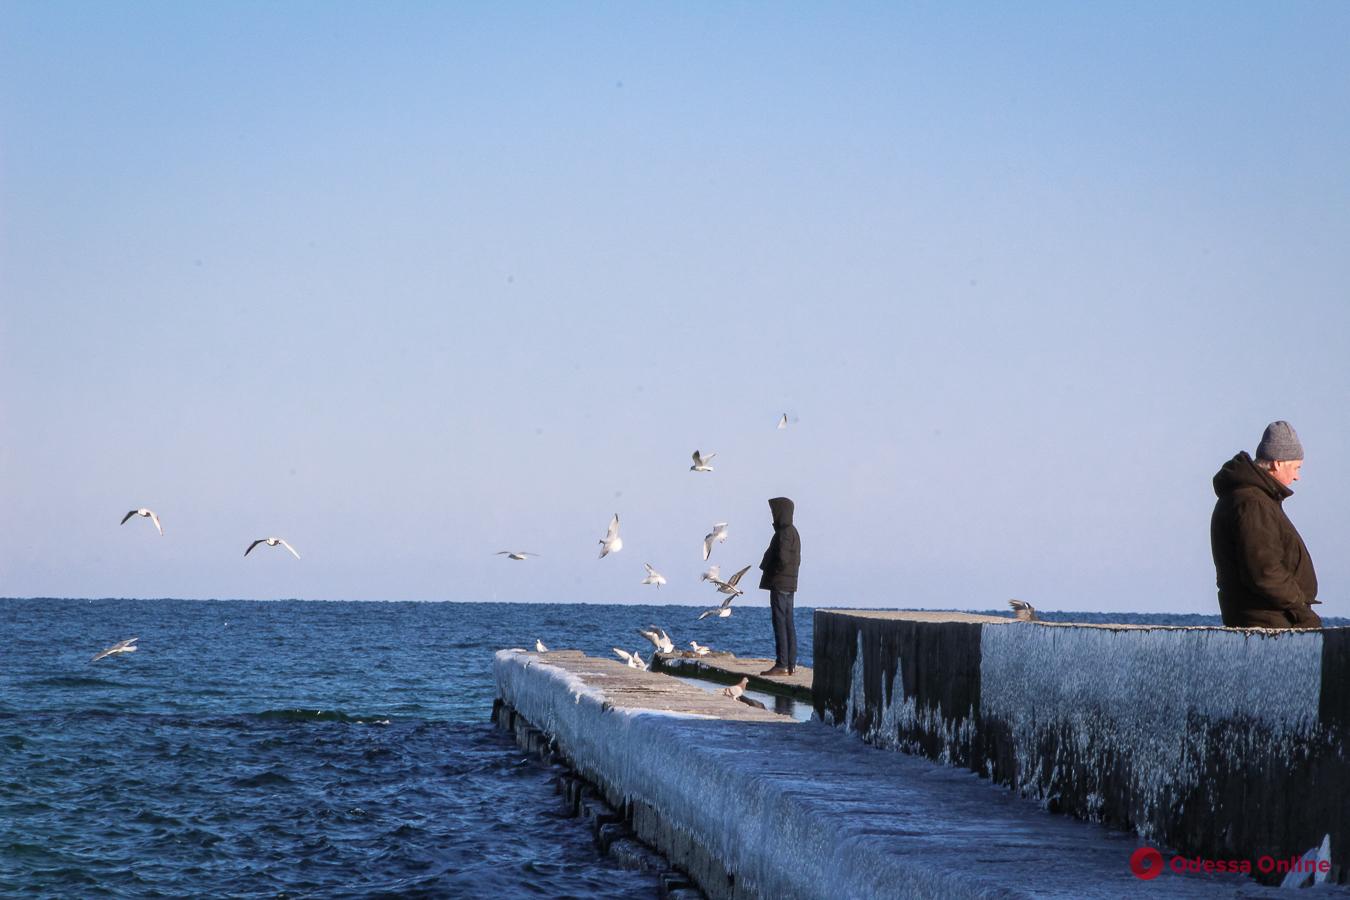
(1258, 535)
(769, 564)
(789, 552)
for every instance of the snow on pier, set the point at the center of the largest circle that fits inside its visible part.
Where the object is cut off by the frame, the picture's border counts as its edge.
(753, 804)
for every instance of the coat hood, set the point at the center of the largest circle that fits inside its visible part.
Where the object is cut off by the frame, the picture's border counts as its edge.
(782, 511)
(1241, 471)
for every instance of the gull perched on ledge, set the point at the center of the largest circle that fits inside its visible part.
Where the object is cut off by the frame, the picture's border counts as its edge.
(272, 542)
(144, 513)
(634, 661)
(1025, 611)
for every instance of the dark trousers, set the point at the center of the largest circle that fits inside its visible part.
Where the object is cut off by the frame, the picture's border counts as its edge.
(784, 629)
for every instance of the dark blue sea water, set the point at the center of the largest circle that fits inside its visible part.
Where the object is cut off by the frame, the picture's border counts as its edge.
(299, 749)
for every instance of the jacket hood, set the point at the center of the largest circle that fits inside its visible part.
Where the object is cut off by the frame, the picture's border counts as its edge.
(1241, 471)
(782, 511)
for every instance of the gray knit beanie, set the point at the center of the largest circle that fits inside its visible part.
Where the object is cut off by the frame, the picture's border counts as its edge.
(1279, 442)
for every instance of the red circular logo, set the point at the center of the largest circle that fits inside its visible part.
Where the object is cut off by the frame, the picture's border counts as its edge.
(1146, 863)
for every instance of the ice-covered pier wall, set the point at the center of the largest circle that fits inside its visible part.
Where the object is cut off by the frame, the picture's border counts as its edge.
(1223, 743)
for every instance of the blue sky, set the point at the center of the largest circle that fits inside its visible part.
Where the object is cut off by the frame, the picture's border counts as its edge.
(409, 283)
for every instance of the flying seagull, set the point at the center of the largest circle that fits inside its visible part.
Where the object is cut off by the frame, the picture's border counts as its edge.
(729, 586)
(634, 661)
(720, 611)
(699, 649)
(127, 646)
(653, 577)
(718, 534)
(660, 640)
(146, 513)
(611, 543)
(272, 542)
(735, 691)
(782, 423)
(701, 462)
(1025, 611)
(515, 554)
(539, 646)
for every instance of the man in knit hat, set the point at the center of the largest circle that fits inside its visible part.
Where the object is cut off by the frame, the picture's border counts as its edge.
(1265, 575)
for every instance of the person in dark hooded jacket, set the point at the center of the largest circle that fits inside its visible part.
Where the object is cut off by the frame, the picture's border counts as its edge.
(780, 564)
(1265, 575)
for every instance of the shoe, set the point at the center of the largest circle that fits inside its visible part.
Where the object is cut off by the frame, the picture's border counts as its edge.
(776, 670)
(792, 670)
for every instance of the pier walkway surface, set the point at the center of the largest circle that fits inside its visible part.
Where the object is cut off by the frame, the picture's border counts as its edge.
(729, 669)
(753, 804)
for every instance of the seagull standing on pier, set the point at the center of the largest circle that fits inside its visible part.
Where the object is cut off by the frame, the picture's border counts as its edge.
(736, 690)
(701, 462)
(147, 514)
(271, 542)
(539, 646)
(1024, 611)
(632, 659)
(718, 535)
(653, 577)
(611, 542)
(699, 649)
(127, 646)
(660, 640)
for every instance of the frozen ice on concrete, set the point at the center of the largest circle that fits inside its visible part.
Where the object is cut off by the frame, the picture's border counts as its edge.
(1130, 693)
(805, 810)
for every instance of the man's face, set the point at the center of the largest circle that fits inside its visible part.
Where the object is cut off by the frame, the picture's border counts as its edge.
(1285, 471)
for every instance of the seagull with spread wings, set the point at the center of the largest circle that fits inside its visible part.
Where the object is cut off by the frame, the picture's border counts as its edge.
(701, 462)
(729, 586)
(717, 535)
(515, 554)
(127, 646)
(653, 577)
(272, 542)
(611, 542)
(660, 640)
(634, 661)
(146, 514)
(720, 611)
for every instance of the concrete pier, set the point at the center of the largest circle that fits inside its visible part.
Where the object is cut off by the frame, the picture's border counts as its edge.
(752, 804)
(726, 668)
(1227, 744)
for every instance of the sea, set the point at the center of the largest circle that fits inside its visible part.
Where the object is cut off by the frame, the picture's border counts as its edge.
(290, 749)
